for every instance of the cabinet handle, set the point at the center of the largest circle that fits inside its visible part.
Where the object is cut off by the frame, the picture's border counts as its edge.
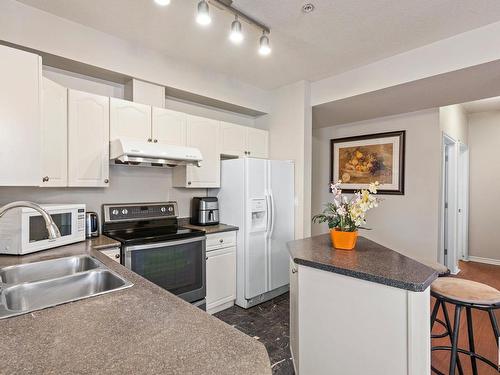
(189, 182)
(249, 152)
(117, 256)
(45, 179)
(206, 258)
(294, 270)
(221, 240)
(106, 181)
(155, 141)
(150, 140)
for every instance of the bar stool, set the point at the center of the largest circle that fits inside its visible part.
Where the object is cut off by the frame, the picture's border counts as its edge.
(468, 295)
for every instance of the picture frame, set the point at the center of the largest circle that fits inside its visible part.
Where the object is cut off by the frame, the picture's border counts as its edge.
(360, 160)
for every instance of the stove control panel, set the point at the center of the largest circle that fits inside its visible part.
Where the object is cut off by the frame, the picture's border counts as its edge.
(142, 211)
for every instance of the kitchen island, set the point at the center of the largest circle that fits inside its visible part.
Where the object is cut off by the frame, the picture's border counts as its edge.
(364, 311)
(140, 330)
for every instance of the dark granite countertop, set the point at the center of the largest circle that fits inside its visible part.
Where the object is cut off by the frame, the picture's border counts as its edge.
(140, 330)
(209, 229)
(369, 261)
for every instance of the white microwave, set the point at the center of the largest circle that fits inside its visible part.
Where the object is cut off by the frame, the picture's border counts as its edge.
(23, 231)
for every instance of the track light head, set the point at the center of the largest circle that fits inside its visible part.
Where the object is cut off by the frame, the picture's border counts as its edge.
(236, 36)
(264, 46)
(162, 2)
(203, 13)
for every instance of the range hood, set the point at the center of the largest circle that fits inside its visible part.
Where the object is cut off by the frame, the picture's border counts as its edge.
(133, 152)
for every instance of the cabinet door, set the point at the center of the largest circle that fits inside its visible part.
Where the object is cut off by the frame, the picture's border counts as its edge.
(129, 120)
(221, 277)
(203, 134)
(232, 139)
(294, 313)
(257, 143)
(169, 127)
(54, 168)
(88, 139)
(20, 104)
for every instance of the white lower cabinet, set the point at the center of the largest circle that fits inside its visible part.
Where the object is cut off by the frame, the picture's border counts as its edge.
(221, 271)
(88, 139)
(54, 150)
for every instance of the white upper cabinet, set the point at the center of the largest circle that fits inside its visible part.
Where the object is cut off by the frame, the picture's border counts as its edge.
(88, 139)
(203, 134)
(20, 103)
(169, 127)
(237, 140)
(257, 143)
(233, 139)
(129, 120)
(54, 156)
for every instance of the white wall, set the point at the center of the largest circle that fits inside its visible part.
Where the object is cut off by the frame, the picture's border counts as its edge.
(42, 31)
(290, 131)
(484, 220)
(127, 185)
(406, 223)
(453, 122)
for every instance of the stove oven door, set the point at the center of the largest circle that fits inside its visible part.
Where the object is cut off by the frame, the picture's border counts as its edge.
(177, 266)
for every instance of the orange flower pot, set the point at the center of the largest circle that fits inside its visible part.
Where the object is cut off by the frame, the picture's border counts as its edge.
(343, 240)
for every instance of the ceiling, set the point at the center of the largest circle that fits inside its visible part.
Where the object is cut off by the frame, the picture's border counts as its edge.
(338, 36)
(483, 105)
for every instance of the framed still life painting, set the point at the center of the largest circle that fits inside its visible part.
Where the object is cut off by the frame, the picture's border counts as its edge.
(358, 161)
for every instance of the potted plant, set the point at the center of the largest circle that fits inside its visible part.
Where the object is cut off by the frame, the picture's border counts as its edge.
(345, 215)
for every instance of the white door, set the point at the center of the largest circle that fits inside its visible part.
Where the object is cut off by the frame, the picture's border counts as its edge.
(169, 127)
(257, 143)
(233, 139)
(281, 227)
(88, 139)
(54, 157)
(221, 276)
(20, 82)
(256, 257)
(203, 134)
(129, 120)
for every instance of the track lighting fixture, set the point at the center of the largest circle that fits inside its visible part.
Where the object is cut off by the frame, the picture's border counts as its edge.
(203, 14)
(162, 2)
(264, 47)
(236, 36)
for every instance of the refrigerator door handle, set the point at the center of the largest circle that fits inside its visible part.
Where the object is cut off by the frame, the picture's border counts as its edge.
(271, 230)
(268, 211)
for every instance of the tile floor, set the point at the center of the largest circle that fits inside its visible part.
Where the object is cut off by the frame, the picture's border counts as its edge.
(269, 322)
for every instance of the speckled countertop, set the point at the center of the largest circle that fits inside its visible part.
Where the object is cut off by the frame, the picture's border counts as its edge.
(140, 330)
(208, 229)
(369, 261)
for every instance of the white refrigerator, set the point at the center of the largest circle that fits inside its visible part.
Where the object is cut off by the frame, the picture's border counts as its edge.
(257, 195)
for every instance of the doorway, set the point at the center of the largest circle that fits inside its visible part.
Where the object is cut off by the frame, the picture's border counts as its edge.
(455, 203)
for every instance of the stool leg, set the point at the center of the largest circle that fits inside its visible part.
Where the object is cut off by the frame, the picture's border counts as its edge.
(434, 312)
(494, 325)
(454, 343)
(450, 333)
(470, 333)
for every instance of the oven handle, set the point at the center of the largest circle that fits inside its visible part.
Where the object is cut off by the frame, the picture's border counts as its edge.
(163, 244)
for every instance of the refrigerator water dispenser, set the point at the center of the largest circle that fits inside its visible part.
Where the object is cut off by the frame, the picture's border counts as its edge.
(259, 215)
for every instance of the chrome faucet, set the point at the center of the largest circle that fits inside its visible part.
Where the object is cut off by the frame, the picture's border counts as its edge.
(49, 223)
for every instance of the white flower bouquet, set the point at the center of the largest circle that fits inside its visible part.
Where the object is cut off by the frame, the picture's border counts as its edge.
(348, 214)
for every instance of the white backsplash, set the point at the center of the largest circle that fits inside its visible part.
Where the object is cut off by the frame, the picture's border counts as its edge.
(127, 184)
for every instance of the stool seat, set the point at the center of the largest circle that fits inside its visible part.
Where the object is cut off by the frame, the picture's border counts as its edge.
(438, 267)
(466, 291)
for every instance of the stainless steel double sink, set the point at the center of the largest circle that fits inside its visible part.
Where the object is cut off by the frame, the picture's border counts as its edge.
(34, 286)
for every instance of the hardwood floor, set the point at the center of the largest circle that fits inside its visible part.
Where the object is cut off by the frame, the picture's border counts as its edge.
(483, 333)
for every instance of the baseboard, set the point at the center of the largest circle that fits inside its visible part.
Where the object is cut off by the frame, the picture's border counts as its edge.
(495, 262)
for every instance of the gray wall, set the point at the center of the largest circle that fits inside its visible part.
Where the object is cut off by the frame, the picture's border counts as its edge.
(484, 220)
(407, 223)
(127, 184)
